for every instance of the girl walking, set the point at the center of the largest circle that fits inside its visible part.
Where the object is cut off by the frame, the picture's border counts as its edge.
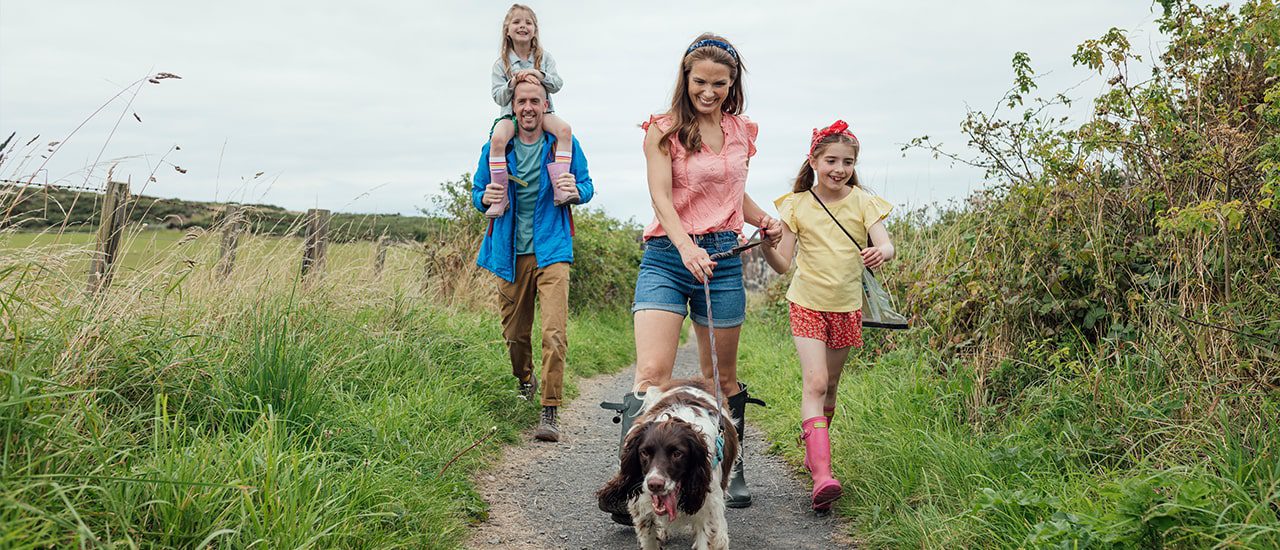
(825, 212)
(522, 58)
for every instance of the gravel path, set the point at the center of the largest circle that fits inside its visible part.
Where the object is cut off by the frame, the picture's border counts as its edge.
(542, 495)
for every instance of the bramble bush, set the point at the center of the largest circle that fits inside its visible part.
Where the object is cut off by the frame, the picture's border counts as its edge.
(606, 251)
(1096, 354)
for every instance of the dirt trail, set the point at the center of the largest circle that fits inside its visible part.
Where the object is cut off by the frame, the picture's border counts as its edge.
(542, 496)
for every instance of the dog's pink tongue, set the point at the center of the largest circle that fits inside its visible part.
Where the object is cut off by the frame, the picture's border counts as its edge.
(665, 505)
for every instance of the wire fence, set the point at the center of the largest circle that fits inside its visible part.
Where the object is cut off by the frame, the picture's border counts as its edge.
(58, 186)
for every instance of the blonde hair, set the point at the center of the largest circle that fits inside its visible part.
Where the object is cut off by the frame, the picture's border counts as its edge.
(507, 45)
(684, 117)
(804, 180)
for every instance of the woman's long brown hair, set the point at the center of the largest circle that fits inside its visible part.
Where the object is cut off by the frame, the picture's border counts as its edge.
(684, 117)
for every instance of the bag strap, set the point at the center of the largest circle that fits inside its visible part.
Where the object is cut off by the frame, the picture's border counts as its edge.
(846, 231)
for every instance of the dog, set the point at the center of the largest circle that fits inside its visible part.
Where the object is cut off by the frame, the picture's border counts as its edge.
(675, 465)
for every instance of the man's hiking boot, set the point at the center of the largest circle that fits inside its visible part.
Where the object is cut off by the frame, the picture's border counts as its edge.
(528, 390)
(739, 495)
(548, 427)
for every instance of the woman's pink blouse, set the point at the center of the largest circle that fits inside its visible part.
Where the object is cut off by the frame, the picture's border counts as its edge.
(707, 187)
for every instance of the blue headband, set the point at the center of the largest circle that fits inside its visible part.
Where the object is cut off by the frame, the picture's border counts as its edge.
(716, 43)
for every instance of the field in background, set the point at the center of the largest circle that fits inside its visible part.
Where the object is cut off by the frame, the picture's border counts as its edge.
(180, 409)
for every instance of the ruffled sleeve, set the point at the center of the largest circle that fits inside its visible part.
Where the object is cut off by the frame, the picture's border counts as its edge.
(751, 130)
(874, 209)
(786, 206)
(663, 122)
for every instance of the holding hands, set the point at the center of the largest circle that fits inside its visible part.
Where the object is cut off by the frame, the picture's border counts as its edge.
(772, 229)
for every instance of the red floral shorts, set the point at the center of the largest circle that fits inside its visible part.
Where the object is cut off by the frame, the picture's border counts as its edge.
(837, 330)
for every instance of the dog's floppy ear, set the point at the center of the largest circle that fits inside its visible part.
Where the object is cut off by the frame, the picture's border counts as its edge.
(696, 482)
(627, 482)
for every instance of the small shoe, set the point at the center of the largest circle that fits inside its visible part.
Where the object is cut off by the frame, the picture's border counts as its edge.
(497, 209)
(548, 426)
(554, 171)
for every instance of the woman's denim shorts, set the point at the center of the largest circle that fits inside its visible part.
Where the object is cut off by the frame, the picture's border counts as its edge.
(665, 284)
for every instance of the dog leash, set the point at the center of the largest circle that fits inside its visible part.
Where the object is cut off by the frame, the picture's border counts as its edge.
(753, 242)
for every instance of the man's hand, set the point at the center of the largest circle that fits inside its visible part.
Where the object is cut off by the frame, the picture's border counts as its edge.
(568, 185)
(492, 194)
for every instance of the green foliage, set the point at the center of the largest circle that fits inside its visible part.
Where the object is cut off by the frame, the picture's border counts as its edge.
(300, 421)
(275, 380)
(606, 251)
(1096, 358)
(32, 209)
(1066, 467)
(606, 260)
(1149, 224)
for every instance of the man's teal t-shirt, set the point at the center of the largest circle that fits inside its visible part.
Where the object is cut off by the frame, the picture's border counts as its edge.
(528, 175)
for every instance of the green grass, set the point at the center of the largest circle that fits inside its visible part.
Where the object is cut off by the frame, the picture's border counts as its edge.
(1065, 470)
(143, 251)
(284, 417)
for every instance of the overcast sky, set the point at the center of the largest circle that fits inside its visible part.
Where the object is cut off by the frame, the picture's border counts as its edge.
(368, 106)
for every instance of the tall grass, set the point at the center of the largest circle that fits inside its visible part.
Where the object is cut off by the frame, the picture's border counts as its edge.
(1093, 363)
(1066, 469)
(181, 410)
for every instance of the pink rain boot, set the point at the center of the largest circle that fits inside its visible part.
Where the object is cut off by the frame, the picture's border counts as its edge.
(829, 412)
(499, 176)
(817, 458)
(554, 171)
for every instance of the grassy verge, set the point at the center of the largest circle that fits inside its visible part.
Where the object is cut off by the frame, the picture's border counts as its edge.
(1064, 469)
(277, 419)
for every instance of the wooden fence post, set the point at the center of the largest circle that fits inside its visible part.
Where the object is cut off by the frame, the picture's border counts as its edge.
(317, 241)
(380, 258)
(111, 223)
(428, 264)
(233, 221)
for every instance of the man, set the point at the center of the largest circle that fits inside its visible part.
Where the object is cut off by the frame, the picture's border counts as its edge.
(530, 247)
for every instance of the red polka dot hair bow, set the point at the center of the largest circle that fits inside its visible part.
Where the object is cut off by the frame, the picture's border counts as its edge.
(837, 127)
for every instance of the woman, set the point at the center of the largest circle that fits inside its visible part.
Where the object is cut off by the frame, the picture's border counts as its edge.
(697, 155)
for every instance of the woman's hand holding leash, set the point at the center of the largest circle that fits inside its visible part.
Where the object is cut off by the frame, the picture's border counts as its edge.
(697, 261)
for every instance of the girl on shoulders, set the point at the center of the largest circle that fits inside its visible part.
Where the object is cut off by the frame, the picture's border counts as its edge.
(832, 227)
(522, 58)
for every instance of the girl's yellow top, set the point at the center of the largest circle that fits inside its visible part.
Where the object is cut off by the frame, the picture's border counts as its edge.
(828, 272)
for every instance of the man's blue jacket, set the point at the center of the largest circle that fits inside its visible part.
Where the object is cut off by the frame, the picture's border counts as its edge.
(552, 225)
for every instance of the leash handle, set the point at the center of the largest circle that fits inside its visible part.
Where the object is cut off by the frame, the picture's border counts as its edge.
(738, 249)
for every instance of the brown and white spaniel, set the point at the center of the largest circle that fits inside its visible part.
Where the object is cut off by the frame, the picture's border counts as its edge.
(675, 466)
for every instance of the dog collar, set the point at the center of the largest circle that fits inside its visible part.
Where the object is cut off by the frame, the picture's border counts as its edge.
(719, 450)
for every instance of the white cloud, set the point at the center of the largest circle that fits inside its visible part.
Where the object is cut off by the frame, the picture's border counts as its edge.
(367, 107)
